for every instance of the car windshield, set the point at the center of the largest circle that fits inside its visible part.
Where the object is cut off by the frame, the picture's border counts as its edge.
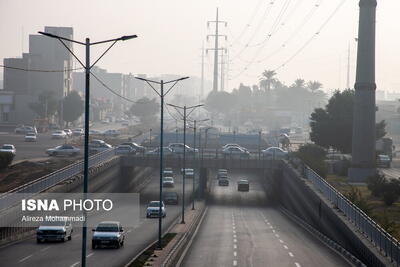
(107, 227)
(154, 204)
(55, 223)
(168, 179)
(30, 134)
(7, 147)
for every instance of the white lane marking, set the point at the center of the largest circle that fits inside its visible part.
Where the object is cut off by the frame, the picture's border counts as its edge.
(234, 231)
(297, 264)
(129, 231)
(44, 249)
(235, 240)
(271, 227)
(24, 259)
(280, 240)
(291, 254)
(234, 236)
(273, 231)
(234, 263)
(233, 227)
(286, 247)
(234, 254)
(75, 264)
(277, 235)
(235, 246)
(266, 221)
(89, 255)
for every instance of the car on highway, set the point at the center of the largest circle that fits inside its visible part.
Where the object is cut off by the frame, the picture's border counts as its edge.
(8, 148)
(383, 161)
(189, 173)
(112, 133)
(59, 134)
(94, 132)
(153, 209)
(168, 182)
(30, 137)
(178, 148)
(224, 181)
(108, 234)
(68, 132)
(170, 198)
(168, 172)
(25, 129)
(274, 153)
(78, 132)
(124, 150)
(97, 145)
(63, 150)
(138, 148)
(54, 231)
(243, 185)
(156, 152)
(233, 151)
(222, 173)
(234, 145)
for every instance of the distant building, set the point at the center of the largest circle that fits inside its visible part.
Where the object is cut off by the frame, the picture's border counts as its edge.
(25, 86)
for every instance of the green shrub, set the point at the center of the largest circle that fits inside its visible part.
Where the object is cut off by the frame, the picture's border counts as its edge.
(391, 191)
(376, 184)
(5, 159)
(313, 156)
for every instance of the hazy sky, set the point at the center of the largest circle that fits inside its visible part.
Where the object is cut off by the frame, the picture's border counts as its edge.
(171, 33)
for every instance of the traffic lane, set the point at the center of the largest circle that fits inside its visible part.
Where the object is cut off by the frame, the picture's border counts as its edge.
(28, 253)
(259, 235)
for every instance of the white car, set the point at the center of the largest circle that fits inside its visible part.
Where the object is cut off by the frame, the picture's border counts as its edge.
(156, 152)
(168, 182)
(60, 134)
(52, 231)
(189, 173)
(30, 137)
(274, 153)
(68, 132)
(178, 148)
(109, 233)
(78, 132)
(124, 150)
(234, 145)
(112, 133)
(66, 149)
(153, 209)
(97, 145)
(8, 148)
(233, 151)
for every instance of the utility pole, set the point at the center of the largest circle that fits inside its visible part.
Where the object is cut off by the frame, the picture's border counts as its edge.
(363, 147)
(202, 74)
(222, 73)
(348, 68)
(216, 48)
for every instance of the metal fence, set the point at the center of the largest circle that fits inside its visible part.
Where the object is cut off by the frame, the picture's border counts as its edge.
(387, 244)
(41, 184)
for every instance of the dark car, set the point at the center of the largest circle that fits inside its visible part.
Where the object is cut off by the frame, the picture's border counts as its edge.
(223, 182)
(243, 185)
(170, 198)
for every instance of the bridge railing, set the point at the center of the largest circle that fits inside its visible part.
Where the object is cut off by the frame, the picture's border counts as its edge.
(41, 184)
(387, 244)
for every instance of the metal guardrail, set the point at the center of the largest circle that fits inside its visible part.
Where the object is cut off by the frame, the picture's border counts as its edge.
(41, 184)
(387, 244)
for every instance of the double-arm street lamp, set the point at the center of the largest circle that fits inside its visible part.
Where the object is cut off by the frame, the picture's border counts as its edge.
(184, 116)
(87, 66)
(161, 94)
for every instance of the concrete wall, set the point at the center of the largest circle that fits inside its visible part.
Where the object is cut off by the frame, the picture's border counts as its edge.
(289, 189)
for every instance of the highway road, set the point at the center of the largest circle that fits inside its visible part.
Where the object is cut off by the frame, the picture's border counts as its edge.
(28, 253)
(241, 229)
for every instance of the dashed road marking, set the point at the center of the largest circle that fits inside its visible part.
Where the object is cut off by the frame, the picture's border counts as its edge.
(44, 249)
(24, 259)
(273, 231)
(75, 264)
(280, 240)
(297, 264)
(291, 254)
(286, 247)
(234, 254)
(89, 255)
(235, 240)
(235, 246)
(234, 231)
(234, 236)
(234, 263)
(277, 235)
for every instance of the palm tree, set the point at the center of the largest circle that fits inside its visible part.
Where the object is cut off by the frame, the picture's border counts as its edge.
(267, 79)
(299, 83)
(314, 86)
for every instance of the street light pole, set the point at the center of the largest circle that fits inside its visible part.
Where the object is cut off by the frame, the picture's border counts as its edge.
(87, 68)
(162, 95)
(194, 162)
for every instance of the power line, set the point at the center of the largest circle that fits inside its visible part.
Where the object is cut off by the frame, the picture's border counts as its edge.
(37, 70)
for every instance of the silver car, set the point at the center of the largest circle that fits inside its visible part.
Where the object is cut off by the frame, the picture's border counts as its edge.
(54, 231)
(65, 150)
(108, 234)
(274, 153)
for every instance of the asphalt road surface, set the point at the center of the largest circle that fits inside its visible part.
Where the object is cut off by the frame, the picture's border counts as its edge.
(240, 229)
(57, 254)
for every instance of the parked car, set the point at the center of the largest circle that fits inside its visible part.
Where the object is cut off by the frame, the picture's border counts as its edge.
(30, 137)
(274, 153)
(108, 234)
(112, 133)
(68, 132)
(54, 231)
(178, 148)
(78, 132)
(124, 150)
(153, 209)
(243, 185)
(64, 150)
(156, 152)
(223, 182)
(8, 148)
(25, 129)
(138, 148)
(59, 134)
(170, 198)
(233, 151)
(189, 173)
(383, 161)
(168, 182)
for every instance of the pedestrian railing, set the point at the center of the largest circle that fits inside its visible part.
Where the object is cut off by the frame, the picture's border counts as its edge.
(41, 184)
(387, 244)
